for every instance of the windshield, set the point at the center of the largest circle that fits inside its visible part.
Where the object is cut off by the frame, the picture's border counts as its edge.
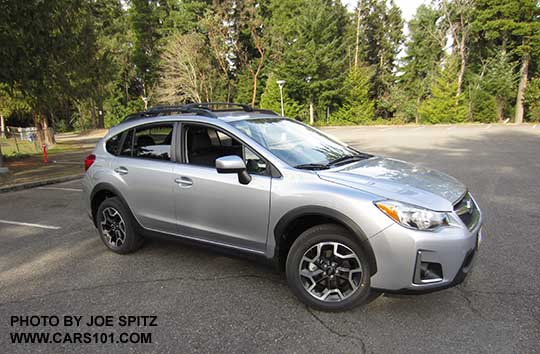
(296, 144)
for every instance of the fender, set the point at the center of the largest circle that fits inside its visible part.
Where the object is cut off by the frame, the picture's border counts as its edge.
(109, 187)
(332, 214)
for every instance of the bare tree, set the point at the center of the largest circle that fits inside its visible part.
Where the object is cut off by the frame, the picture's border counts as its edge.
(457, 14)
(218, 28)
(186, 72)
(251, 20)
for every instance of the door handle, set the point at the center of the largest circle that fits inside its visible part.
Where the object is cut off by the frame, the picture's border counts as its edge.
(121, 170)
(184, 182)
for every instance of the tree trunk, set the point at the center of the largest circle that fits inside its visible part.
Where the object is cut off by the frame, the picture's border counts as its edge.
(2, 126)
(48, 134)
(126, 89)
(93, 114)
(40, 140)
(417, 115)
(499, 108)
(1, 157)
(357, 43)
(311, 111)
(254, 95)
(521, 89)
(101, 118)
(463, 57)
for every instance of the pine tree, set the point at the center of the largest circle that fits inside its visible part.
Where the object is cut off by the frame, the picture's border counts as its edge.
(271, 99)
(313, 52)
(443, 106)
(532, 99)
(380, 35)
(515, 28)
(357, 106)
(500, 81)
(146, 18)
(424, 51)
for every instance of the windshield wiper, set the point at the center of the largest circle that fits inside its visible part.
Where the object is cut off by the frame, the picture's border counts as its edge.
(312, 166)
(349, 158)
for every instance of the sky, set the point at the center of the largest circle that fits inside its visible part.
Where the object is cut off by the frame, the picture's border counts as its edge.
(408, 7)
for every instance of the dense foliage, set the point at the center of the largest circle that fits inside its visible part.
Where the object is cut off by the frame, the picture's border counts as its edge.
(79, 64)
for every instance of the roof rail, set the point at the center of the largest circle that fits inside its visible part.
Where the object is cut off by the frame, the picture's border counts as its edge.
(202, 109)
(244, 107)
(207, 105)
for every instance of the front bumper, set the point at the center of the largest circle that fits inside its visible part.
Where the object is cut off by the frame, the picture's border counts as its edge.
(399, 253)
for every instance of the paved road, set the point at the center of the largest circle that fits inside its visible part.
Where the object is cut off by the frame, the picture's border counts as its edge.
(210, 303)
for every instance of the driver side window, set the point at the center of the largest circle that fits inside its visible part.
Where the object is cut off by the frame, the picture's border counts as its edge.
(203, 145)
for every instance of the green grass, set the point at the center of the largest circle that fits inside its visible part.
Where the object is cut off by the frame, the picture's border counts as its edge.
(19, 149)
(12, 147)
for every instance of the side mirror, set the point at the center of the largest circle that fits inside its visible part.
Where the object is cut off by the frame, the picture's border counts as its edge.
(233, 164)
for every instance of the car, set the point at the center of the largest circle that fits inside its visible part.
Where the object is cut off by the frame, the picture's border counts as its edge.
(342, 224)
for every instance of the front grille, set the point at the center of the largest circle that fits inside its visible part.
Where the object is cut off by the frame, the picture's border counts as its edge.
(467, 211)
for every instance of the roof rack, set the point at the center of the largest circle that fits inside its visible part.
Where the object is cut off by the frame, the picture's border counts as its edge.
(202, 109)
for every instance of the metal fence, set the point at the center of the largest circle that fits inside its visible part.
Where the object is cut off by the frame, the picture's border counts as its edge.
(17, 140)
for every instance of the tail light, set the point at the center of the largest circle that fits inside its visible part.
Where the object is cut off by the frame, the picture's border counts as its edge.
(88, 161)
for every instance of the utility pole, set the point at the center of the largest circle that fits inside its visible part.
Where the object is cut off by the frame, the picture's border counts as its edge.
(281, 83)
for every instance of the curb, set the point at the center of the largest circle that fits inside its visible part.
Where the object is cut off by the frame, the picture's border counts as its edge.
(21, 186)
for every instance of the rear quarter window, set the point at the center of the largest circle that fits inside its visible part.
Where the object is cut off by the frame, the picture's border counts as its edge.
(113, 144)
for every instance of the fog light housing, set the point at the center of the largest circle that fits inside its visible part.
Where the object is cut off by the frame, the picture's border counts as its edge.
(427, 272)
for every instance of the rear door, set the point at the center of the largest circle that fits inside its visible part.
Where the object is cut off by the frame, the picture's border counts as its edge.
(144, 168)
(216, 207)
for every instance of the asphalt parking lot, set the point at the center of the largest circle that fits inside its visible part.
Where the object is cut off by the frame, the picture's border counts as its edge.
(206, 302)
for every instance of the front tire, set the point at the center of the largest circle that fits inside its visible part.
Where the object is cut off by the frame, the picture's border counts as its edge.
(116, 227)
(327, 269)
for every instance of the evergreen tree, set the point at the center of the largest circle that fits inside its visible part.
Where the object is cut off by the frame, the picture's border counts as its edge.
(443, 106)
(515, 28)
(40, 46)
(532, 99)
(271, 99)
(313, 52)
(380, 37)
(357, 106)
(424, 50)
(500, 82)
(146, 18)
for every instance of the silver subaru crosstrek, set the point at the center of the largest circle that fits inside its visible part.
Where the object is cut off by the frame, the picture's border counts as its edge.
(340, 222)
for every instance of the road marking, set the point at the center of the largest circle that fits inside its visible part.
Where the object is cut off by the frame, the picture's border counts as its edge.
(422, 127)
(61, 189)
(489, 126)
(385, 129)
(31, 225)
(452, 127)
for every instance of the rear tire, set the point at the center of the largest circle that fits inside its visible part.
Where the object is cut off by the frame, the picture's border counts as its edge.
(116, 227)
(328, 270)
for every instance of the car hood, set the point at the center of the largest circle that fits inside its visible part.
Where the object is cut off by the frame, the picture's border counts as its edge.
(401, 181)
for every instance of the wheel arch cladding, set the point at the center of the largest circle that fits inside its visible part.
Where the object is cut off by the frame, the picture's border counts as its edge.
(296, 221)
(101, 192)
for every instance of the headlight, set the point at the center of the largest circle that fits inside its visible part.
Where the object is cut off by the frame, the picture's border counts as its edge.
(413, 217)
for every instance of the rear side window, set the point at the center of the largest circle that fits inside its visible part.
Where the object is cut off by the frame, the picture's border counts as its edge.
(113, 144)
(149, 142)
(128, 144)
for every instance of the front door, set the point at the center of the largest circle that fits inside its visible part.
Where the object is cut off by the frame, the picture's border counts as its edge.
(215, 207)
